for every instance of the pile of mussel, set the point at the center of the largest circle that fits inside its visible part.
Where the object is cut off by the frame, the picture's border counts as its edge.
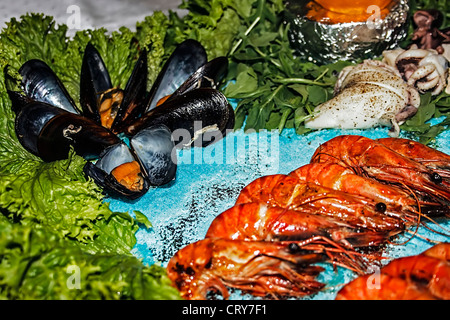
(127, 136)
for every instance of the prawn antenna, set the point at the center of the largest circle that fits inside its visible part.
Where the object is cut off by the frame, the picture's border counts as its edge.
(420, 214)
(421, 237)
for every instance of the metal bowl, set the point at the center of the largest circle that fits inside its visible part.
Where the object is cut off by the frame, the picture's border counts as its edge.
(322, 42)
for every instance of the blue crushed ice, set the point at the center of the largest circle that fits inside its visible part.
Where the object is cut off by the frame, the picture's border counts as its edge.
(209, 180)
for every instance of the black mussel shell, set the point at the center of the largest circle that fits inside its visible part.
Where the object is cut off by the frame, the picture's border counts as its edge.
(49, 132)
(40, 83)
(86, 137)
(100, 172)
(30, 120)
(135, 95)
(190, 117)
(156, 153)
(208, 75)
(94, 79)
(187, 58)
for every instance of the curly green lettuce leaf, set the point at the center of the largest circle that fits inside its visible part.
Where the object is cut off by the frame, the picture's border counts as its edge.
(152, 33)
(56, 195)
(38, 264)
(214, 23)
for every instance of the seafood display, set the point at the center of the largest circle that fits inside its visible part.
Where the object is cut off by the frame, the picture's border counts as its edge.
(367, 95)
(356, 196)
(425, 276)
(183, 102)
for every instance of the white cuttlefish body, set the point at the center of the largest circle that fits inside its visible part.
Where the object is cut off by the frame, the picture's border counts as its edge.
(367, 95)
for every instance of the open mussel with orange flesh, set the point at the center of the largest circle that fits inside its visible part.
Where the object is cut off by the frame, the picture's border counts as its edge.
(129, 171)
(48, 123)
(184, 98)
(125, 170)
(110, 106)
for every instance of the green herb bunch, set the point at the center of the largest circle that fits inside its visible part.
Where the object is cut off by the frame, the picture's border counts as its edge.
(52, 217)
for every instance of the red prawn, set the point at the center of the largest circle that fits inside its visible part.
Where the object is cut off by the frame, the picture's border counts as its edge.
(289, 192)
(367, 157)
(258, 267)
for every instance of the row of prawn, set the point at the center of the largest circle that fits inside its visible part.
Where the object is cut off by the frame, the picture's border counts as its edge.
(354, 196)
